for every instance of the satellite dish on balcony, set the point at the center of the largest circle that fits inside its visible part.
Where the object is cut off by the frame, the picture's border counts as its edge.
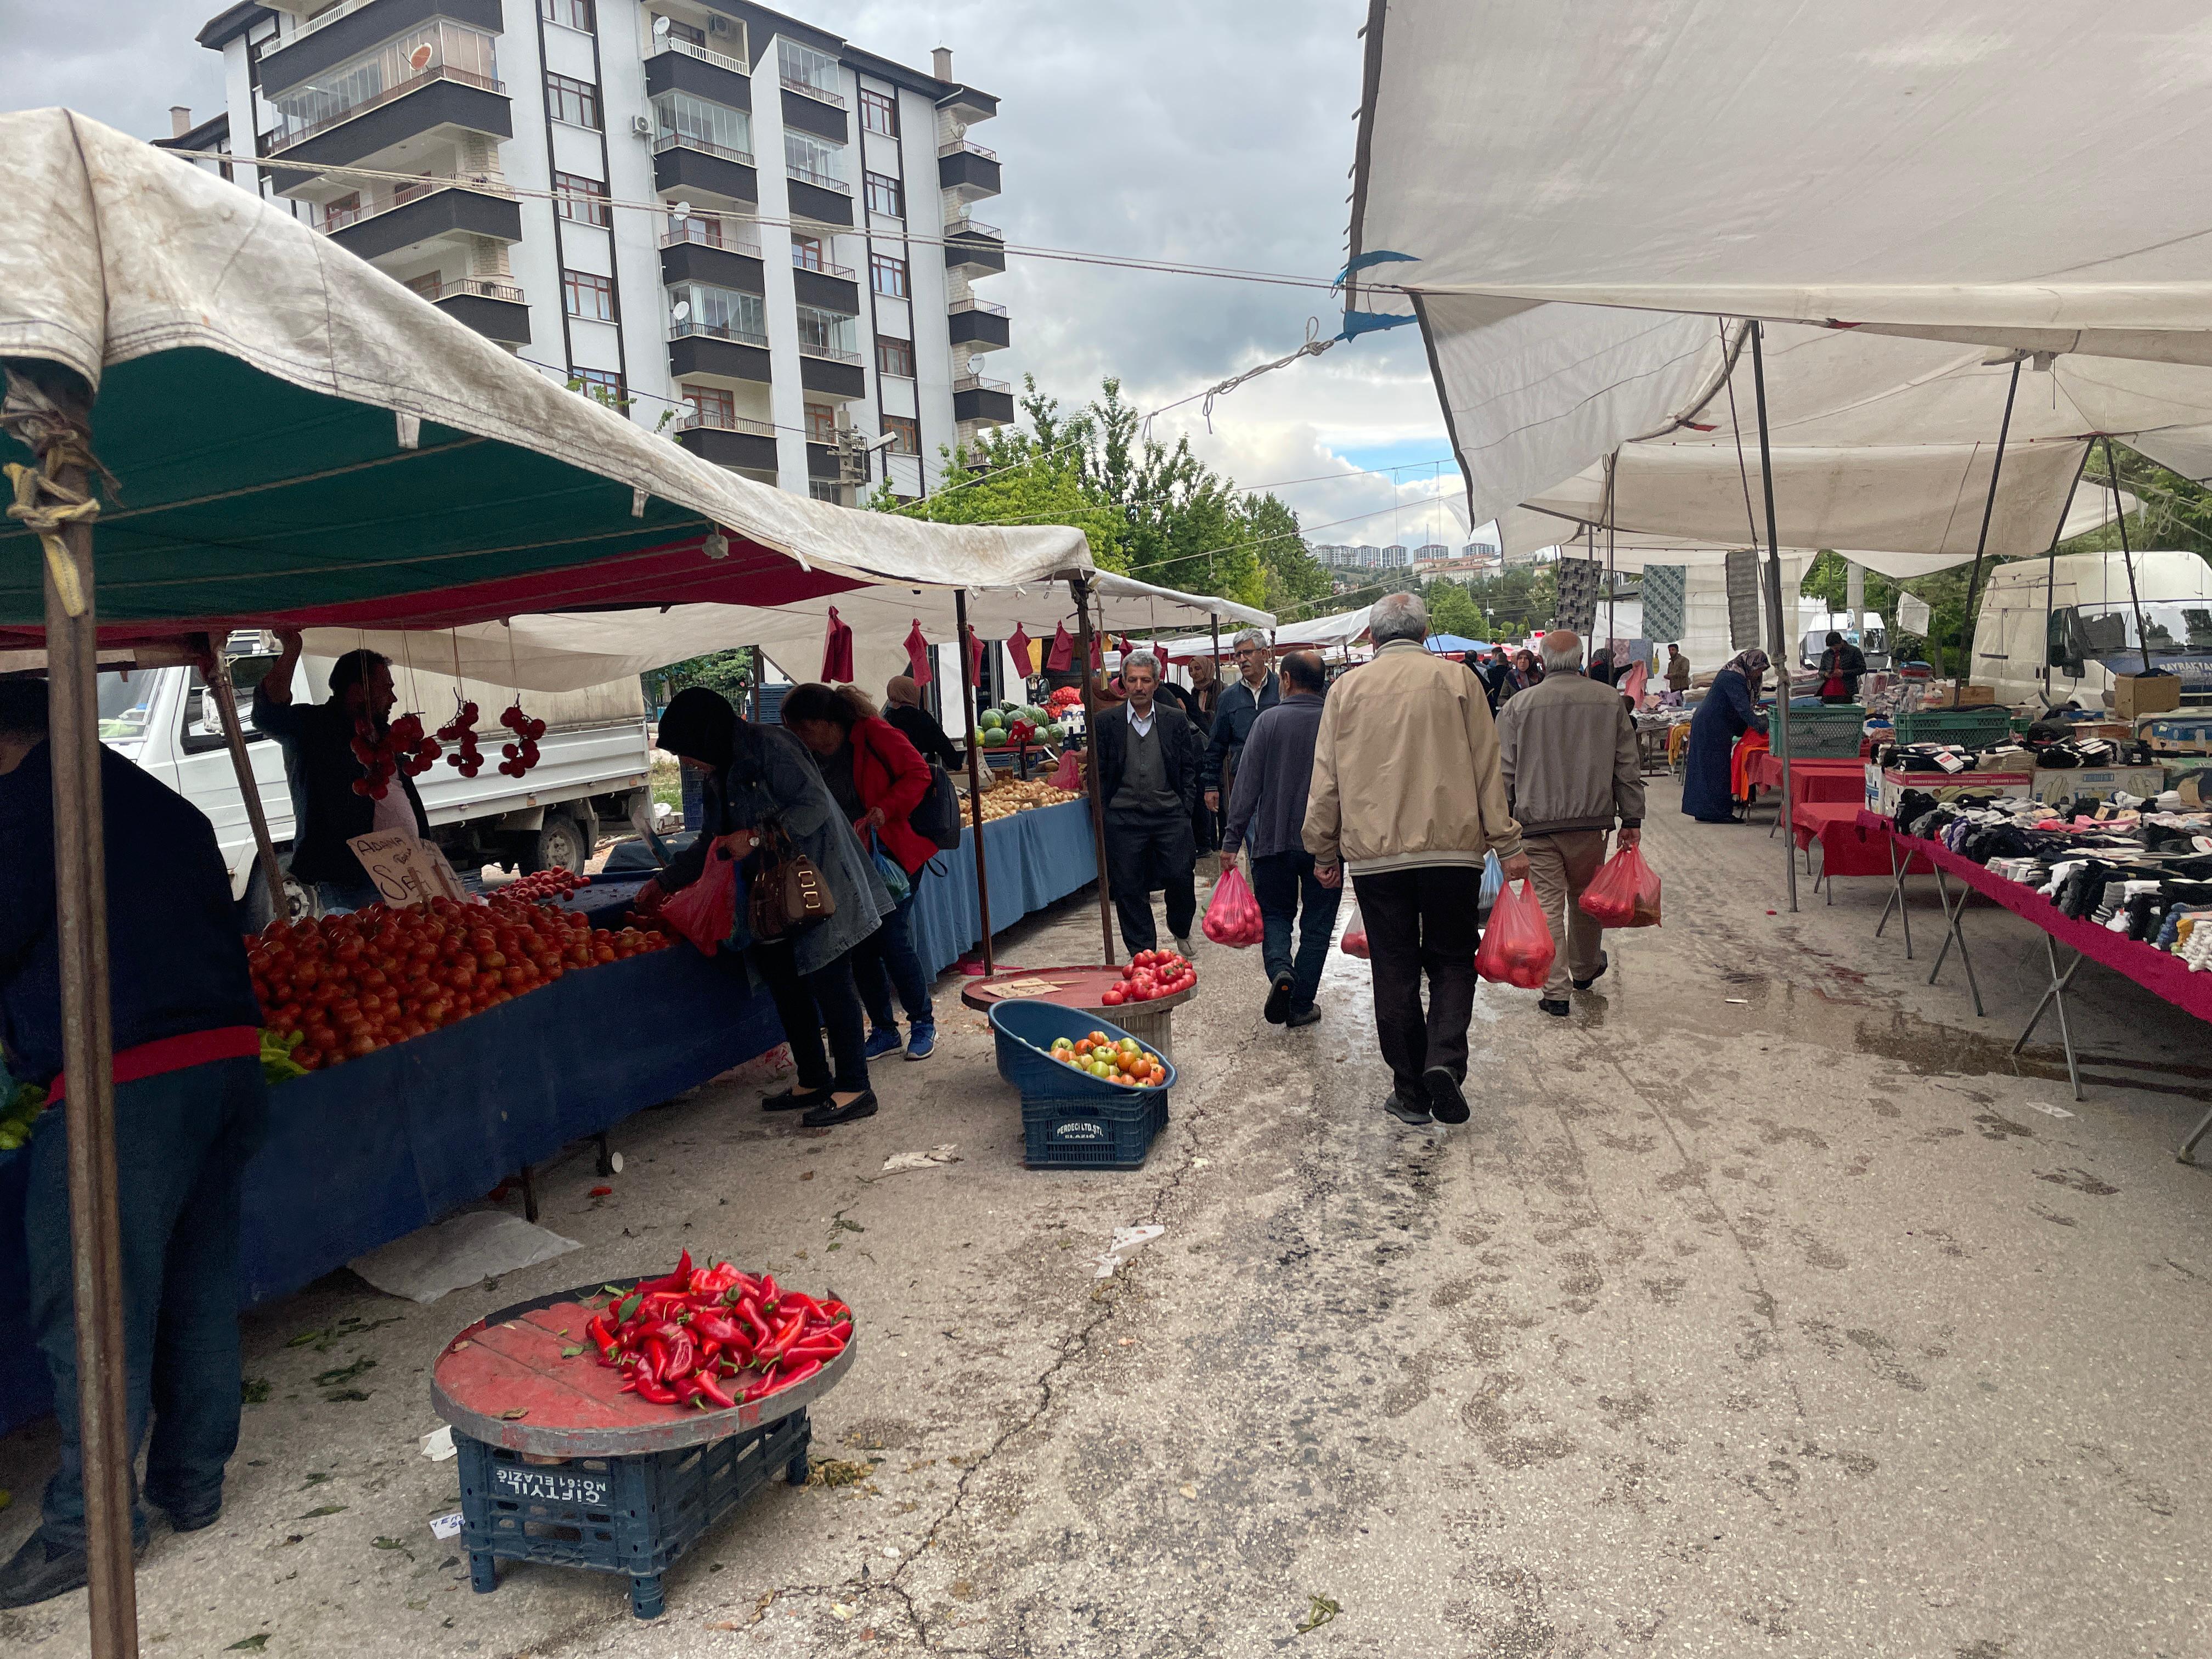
(680, 210)
(682, 310)
(419, 59)
(660, 28)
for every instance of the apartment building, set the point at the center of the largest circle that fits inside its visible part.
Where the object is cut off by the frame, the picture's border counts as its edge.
(595, 185)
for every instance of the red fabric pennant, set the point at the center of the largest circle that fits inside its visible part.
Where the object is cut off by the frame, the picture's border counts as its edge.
(1018, 643)
(917, 654)
(976, 655)
(1061, 657)
(837, 652)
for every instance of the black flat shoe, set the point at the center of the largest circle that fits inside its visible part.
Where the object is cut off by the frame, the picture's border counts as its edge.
(1307, 1015)
(1446, 1103)
(828, 1114)
(1278, 1008)
(795, 1100)
(1604, 961)
(1562, 1008)
(1408, 1110)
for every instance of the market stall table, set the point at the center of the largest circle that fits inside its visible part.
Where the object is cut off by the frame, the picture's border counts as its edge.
(1850, 846)
(1151, 1022)
(1036, 858)
(1810, 780)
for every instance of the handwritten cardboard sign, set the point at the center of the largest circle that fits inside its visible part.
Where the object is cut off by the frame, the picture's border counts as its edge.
(407, 870)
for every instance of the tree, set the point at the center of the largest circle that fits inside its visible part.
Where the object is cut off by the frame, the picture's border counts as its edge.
(1518, 600)
(729, 672)
(1293, 575)
(1452, 610)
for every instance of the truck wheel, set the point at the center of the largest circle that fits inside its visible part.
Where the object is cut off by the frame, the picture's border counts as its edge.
(558, 845)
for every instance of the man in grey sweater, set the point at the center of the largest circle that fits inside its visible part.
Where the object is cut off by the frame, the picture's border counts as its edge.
(1268, 812)
(1567, 749)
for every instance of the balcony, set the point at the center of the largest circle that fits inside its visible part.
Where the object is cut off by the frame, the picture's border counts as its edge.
(979, 323)
(831, 288)
(805, 89)
(495, 310)
(420, 212)
(729, 440)
(967, 106)
(732, 354)
(968, 170)
(974, 247)
(818, 196)
(440, 96)
(686, 165)
(805, 112)
(678, 65)
(832, 373)
(976, 399)
(704, 253)
(352, 27)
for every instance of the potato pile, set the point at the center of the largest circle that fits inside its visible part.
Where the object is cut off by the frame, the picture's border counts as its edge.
(1013, 795)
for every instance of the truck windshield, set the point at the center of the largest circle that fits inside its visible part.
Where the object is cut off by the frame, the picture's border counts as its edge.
(123, 699)
(2176, 629)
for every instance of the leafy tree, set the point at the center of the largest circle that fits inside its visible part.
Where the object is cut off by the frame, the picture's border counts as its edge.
(1452, 610)
(1010, 477)
(1518, 600)
(1293, 575)
(729, 672)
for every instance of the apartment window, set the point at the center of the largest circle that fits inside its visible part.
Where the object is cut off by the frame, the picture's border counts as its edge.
(584, 200)
(602, 384)
(887, 276)
(895, 357)
(822, 490)
(821, 424)
(724, 313)
(812, 161)
(716, 127)
(712, 406)
(885, 195)
(576, 102)
(706, 231)
(826, 333)
(679, 30)
(586, 296)
(879, 112)
(569, 14)
(804, 70)
(450, 50)
(905, 433)
(806, 253)
(341, 211)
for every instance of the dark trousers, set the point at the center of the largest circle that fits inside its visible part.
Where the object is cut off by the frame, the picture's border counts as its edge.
(886, 961)
(1422, 922)
(181, 1143)
(1283, 882)
(1144, 852)
(810, 1004)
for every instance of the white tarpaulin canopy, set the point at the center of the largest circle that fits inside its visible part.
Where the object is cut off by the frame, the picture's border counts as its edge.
(1980, 173)
(565, 653)
(1317, 633)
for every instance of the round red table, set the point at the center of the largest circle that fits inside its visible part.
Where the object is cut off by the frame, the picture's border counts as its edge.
(1151, 1023)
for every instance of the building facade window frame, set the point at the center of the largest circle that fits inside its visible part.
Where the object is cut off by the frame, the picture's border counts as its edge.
(894, 357)
(572, 102)
(711, 405)
(879, 112)
(582, 200)
(578, 14)
(885, 195)
(587, 296)
(905, 433)
(597, 381)
(889, 276)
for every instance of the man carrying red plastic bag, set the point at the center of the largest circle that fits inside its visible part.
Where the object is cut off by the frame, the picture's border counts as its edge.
(1567, 749)
(1266, 818)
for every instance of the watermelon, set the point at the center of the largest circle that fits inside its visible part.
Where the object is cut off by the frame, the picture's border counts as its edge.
(1055, 734)
(994, 738)
(990, 720)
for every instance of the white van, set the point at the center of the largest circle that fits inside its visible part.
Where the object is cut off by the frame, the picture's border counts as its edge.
(592, 766)
(2073, 617)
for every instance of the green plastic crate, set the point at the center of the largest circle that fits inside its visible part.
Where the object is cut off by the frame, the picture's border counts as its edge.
(1831, 733)
(1969, 728)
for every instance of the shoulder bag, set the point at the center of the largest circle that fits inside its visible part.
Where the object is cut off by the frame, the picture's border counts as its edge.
(788, 891)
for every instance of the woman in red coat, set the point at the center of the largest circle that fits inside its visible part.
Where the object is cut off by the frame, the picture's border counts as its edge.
(878, 778)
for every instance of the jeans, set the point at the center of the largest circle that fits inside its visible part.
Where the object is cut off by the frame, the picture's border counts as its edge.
(1281, 881)
(1422, 922)
(1562, 866)
(339, 896)
(181, 1143)
(808, 1004)
(886, 960)
(1147, 851)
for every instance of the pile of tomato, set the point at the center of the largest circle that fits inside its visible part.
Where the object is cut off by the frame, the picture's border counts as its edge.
(1127, 1062)
(557, 883)
(356, 983)
(1152, 975)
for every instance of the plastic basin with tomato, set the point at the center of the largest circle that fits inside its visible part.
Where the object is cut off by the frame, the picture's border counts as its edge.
(1025, 1030)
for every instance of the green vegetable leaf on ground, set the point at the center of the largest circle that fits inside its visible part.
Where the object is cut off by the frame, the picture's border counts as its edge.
(1319, 1613)
(253, 1391)
(327, 1509)
(251, 1644)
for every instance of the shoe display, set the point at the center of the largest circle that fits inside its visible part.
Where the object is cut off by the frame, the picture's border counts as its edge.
(828, 1113)
(884, 1040)
(1278, 1006)
(1446, 1102)
(921, 1041)
(1604, 961)
(1307, 1015)
(1562, 1008)
(794, 1099)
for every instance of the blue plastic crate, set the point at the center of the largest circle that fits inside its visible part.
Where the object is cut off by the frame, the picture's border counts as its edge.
(1024, 1030)
(1092, 1133)
(633, 1514)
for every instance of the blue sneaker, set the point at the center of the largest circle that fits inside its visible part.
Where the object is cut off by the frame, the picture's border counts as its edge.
(885, 1040)
(920, 1042)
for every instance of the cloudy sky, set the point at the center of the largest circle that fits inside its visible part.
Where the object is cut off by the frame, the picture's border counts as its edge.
(1219, 134)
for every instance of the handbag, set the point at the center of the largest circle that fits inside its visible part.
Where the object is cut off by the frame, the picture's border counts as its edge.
(788, 891)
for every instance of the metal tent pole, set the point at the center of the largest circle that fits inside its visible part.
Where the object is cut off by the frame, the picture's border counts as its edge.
(1075, 586)
(52, 410)
(967, 653)
(233, 735)
(2127, 559)
(2051, 570)
(1774, 607)
(1967, 629)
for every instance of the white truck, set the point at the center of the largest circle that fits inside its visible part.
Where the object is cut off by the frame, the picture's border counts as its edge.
(592, 766)
(2073, 618)
(1815, 621)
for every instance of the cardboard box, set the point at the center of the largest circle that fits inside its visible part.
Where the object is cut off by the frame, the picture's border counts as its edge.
(1884, 783)
(2056, 783)
(1941, 694)
(2145, 694)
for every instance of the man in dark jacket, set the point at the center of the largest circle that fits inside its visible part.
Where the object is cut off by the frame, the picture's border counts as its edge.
(1256, 692)
(319, 757)
(1148, 766)
(188, 1112)
(1843, 664)
(1268, 812)
(903, 708)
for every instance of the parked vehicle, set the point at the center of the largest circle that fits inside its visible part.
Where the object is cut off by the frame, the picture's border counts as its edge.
(1815, 621)
(592, 766)
(2073, 616)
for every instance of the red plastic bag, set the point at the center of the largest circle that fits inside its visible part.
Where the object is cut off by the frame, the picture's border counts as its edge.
(1354, 942)
(1625, 893)
(1232, 918)
(706, 911)
(1069, 774)
(1517, 948)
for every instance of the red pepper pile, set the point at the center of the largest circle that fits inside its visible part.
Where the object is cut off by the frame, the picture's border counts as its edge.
(715, 1337)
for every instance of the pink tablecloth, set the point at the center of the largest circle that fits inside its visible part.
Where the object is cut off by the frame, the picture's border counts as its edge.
(1811, 780)
(1853, 842)
(2160, 972)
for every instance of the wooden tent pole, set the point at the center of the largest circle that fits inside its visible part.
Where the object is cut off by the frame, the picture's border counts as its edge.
(233, 735)
(59, 406)
(965, 649)
(1075, 586)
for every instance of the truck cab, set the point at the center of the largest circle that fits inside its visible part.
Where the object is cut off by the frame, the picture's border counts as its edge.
(2061, 630)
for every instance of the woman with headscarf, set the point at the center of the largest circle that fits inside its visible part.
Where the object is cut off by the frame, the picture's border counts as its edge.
(1525, 672)
(756, 776)
(1730, 709)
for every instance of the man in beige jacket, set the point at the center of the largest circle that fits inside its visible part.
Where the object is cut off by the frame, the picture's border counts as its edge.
(1407, 794)
(1567, 748)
